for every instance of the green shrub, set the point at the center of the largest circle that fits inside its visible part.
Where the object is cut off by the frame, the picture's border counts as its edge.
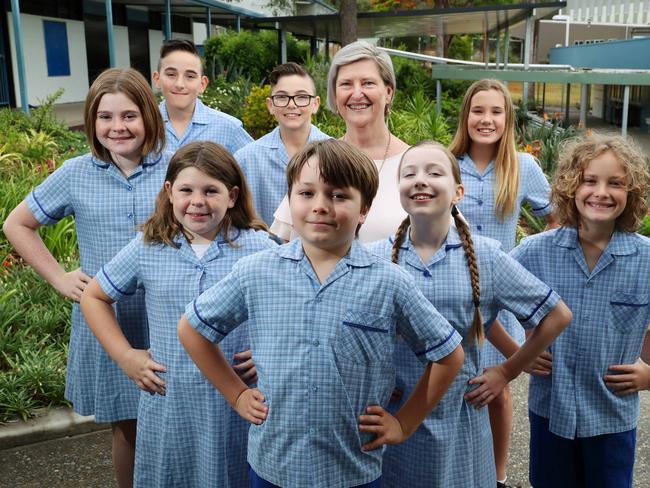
(418, 120)
(228, 97)
(257, 119)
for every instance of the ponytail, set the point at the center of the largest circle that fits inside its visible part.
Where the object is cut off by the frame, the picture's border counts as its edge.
(400, 235)
(476, 332)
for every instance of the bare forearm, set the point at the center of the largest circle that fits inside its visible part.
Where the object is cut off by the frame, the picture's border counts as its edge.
(211, 361)
(500, 339)
(430, 389)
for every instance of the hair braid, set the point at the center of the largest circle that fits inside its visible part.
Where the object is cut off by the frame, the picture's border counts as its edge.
(400, 235)
(476, 331)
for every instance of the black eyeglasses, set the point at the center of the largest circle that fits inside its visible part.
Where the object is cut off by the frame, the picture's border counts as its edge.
(299, 100)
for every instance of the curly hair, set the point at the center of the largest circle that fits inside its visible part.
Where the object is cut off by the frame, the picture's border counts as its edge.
(576, 154)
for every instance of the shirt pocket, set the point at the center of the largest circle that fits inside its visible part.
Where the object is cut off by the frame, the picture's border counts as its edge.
(364, 338)
(629, 311)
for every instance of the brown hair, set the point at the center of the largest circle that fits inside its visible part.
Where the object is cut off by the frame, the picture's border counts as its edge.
(288, 69)
(174, 45)
(506, 162)
(576, 154)
(132, 84)
(476, 332)
(216, 162)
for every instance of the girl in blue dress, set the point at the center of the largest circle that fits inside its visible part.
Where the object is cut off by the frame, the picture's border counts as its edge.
(468, 280)
(497, 180)
(188, 436)
(109, 191)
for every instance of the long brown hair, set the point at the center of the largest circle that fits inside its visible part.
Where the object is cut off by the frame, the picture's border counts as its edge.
(476, 332)
(506, 163)
(216, 162)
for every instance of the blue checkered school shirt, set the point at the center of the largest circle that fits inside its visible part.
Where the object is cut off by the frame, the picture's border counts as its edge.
(207, 125)
(264, 163)
(453, 446)
(478, 203)
(611, 313)
(184, 436)
(107, 207)
(323, 354)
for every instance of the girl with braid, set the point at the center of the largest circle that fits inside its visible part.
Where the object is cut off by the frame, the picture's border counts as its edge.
(469, 280)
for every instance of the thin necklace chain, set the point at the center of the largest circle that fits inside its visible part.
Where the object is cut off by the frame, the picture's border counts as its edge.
(381, 165)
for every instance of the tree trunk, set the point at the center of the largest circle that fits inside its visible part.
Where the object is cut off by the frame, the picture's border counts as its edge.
(348, 21)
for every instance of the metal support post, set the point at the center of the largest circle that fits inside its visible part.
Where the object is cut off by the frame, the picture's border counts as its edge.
(20, 58)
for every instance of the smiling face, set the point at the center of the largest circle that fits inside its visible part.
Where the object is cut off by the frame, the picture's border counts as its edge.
(325, 216)
(119, 127)
(180, 79)
(200, 203)
(487, 117)
(427, 185)
(361, 94)
(602, 194)
(293, 117)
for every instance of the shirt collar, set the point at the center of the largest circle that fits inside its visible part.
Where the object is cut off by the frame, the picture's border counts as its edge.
(452, 241)
(469, 166)
(358, 256)
(201, 113)
(621, 243)
(150, 159)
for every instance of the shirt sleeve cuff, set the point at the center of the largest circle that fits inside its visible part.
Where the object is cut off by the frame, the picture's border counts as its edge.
(441, 349)
(202, 326)
(541, 310)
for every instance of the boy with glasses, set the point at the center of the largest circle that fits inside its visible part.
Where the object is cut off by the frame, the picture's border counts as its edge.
(293, 101)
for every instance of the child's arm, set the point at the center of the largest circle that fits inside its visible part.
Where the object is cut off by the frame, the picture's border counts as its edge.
(21, 230)
(136, 363)
(245, 367)
(494, 379)
(507, 346)
(433, 384)
(248, 402)
(629, 378)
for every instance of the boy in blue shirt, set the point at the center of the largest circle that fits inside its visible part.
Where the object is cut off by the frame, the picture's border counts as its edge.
(293, 102)
(323, 314)
(181, 80)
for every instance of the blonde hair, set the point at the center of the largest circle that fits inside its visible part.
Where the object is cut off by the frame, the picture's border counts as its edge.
(476, 332)
(576, 154)
(216, 162)
(506, 163)
(132, 84)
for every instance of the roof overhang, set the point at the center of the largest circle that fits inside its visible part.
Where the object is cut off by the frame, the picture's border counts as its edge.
(409, 23)
(193, 8)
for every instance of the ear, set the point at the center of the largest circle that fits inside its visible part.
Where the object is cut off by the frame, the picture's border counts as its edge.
(316, 105)
(168, 189)
(156, 79)
(363, 214)
(233, 194)
(204, 83)
(269, 105)
(389, 92)
(460, 192)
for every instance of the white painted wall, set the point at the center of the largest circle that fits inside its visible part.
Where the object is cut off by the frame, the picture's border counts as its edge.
(121, 43)
(39, 84)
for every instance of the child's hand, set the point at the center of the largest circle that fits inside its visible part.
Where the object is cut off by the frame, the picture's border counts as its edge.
(492, 381)
(542, 366)
(387, 428)
(141, 368)
(245, 367)
(630, 378)
(250, 406)
(72, 284)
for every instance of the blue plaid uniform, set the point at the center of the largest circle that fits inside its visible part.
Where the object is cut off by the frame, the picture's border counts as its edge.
(323, 354)
(478, 208)
(107, 207)
(207, 125)
(190, 437)
(610, 319)
(453, 446)
(264, 163)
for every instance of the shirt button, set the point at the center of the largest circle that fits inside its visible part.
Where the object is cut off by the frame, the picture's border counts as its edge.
(129, 188)
(312, 430)
(129, 216)
(589, 284)
(480, 202)
(199, 268)
(314, 388)
(426, 273)
(479, 227)
(316, 343)
(480, 178)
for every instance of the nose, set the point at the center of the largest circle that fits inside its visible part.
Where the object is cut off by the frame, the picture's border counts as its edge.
(197, 199)
(320, 205)
(117, 124)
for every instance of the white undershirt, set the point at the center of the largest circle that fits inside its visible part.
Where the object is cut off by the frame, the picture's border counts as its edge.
(200, 249)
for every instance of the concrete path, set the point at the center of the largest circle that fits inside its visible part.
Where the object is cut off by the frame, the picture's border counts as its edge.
(84, 461)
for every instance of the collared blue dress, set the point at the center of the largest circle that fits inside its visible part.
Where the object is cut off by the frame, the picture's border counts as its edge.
(107, 207)
(191, 437)
(264, 163)
(207, 125)
(611, 312)
(478, 208)
(323, 354)
(453, 446)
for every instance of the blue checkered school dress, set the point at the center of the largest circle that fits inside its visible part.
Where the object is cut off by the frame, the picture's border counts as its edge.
(107, 207)
(478, 208)
(453, 446)
(611, 312)
(323, 354)
(207, 125)
(264, 163)
(191, 437)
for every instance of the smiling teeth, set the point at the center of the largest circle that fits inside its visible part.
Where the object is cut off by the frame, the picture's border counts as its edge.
(421, 197)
